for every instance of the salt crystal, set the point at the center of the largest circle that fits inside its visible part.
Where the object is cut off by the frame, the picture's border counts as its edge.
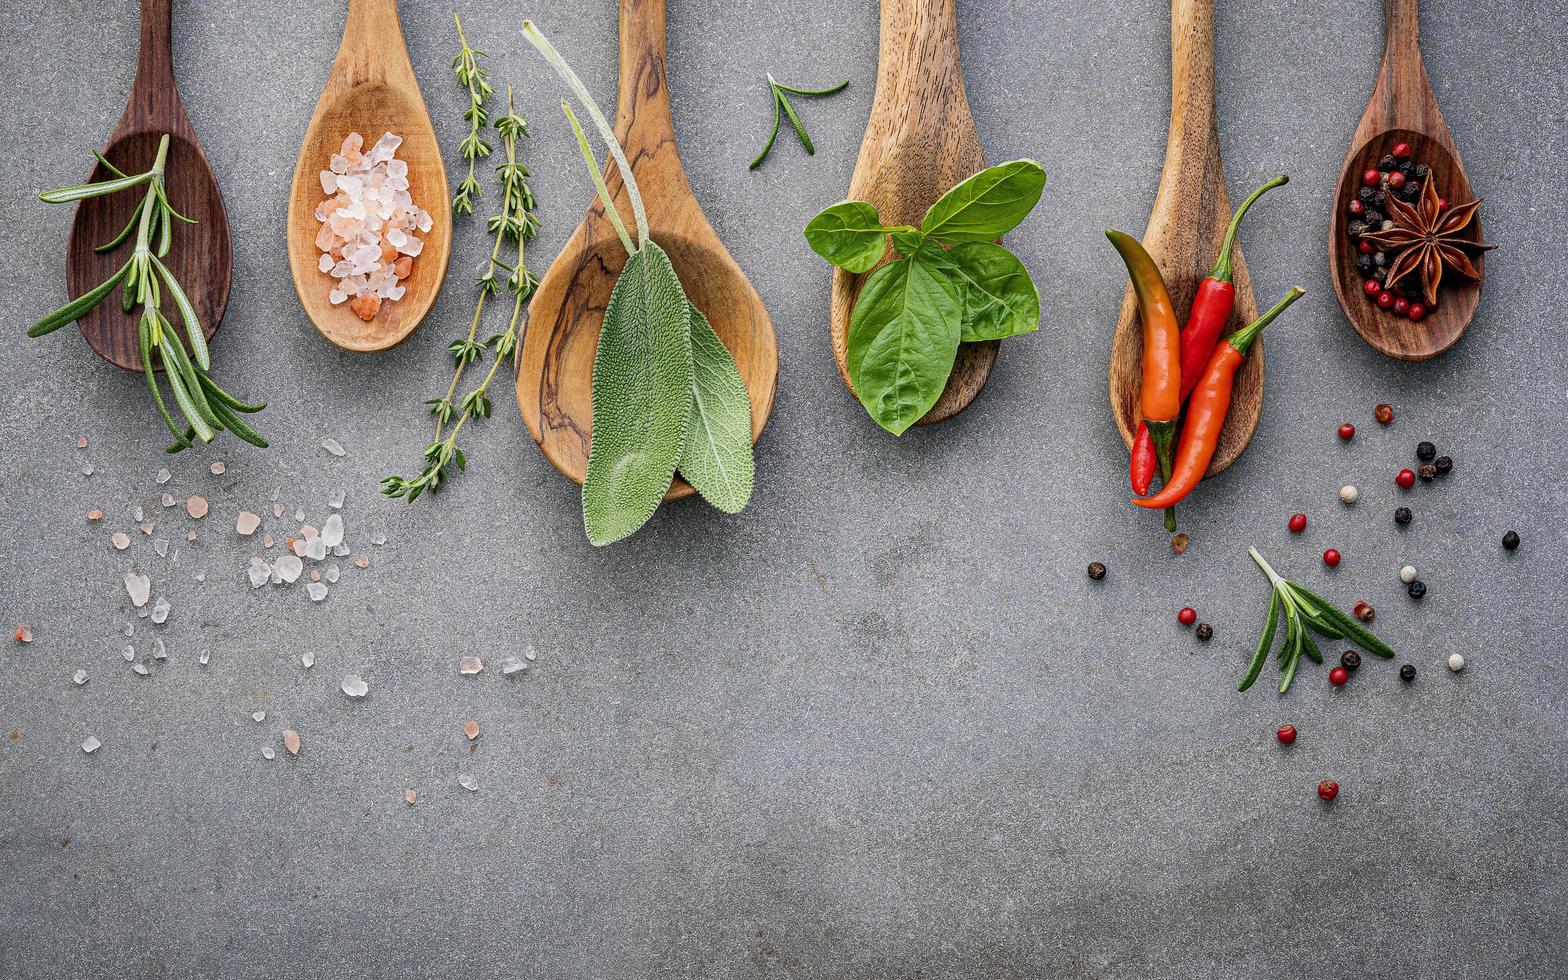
(95, 515)
(259, 716)
(259, 572)
(385, 147)
(162, 477)
(129, 629)
(530, 654)
(139, 587)
(336, 500)
(354, 686)
(331, 574)
(308, 660)
(141, 613)
(267, 753)
(339, 163)
(315, 575)
(168, 500)
(288, 567)
(299, 513)
(332, 531)
(362, 562)
(397, 168)
(332, 446)
(81, 443)
(470, 665)
(91, 745)
(325, 263)
(203, 658)
(147, 527)
(159, 651)
(266, 540)
(201, 576)
(79, 678)
(512, 665)
(128, 652)
(217, 468)
(467, 782)
(329, 182)
(412, 247)
(190, 535)
(247, 523)
(277, 510)
(140, 669)
(160, 610)
(120, 541)
(87, 469)
(341, 550)
(161, 546)
(337, 297)
(409, 796)
(196, 507)
(137, 515)
(291, 741)
(316, 591)
(471, 729)
(378, 539)
(315, 549)
(309, 531)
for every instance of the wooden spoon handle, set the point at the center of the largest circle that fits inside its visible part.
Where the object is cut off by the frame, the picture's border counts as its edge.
(643, 113)
(155, 100)
(1192, 126)
(372, 49)
(919, 43)
(1403, 92)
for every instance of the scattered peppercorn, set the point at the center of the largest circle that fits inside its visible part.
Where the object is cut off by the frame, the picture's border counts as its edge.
(1408, 574)
(1426, 452)
(1298, 523)
(1384, 413)
(1338, 676)
(1456, 662)
(1205, 632)
(1365, 612)
(1417, 589)
(1331, 558)
(1096, 570)
(1511, 540)
(1327, 790)
(1444, 465)
(1407, 673)
(1406, 479)
(1348, 494)
(1347, 432)
(1427, 473)
(1350, 660)
(1402, 515)
(1286, 734)
(1187, 616)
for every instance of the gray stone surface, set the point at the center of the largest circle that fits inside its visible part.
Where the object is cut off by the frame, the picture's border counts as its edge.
(880, 725)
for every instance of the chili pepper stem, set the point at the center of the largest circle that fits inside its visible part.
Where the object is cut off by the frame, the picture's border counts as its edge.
(1243, 338)
(1223, 269)
(1163, 435)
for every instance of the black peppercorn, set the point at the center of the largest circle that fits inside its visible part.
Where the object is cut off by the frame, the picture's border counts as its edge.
(1356, 229)
(1410, 192)
(1402, 515)
(1096, 571)
(1364, 264)
(1443, 465)
(1421, 171)
(1407, 168)
(1427, 473)
(1407, 673)
(1417, 589)
(1379, 197)
(1380, 273)
(1205, 632)
(1389, 162)
(1373, 217)
(1366, 194)
(1426, 452)
(1511, 540)
(1350, 660)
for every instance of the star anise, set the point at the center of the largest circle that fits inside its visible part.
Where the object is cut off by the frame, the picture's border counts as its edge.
(1426, 238)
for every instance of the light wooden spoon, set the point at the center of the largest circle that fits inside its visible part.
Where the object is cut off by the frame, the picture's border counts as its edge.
(919, 142)
(201, 258)
(1403, 109)
(555, 365)
(371, 90)
(1186, 227)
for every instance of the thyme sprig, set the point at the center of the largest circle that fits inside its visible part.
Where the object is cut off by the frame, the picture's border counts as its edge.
(474, 147)
(781, 107)
(1305, 612)
(207, 409)
(517, 224)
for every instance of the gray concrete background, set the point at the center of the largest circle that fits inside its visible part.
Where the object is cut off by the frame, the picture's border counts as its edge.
(880, 725)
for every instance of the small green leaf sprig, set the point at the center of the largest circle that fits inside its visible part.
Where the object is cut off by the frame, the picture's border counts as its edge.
(781, 107)
(206, 408)
(474, 147)
(1305, 612)
(516, 224)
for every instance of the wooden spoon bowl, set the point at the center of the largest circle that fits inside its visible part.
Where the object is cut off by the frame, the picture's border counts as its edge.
(555, 362)
(200, 258)
(1402, 109)
(371, 90)
(1185, 230)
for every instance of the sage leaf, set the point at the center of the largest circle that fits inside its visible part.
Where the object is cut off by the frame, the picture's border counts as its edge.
(903, 338)
(849, 235)
(999, 297)
(717, 457)
(987, 205)
(641, 397)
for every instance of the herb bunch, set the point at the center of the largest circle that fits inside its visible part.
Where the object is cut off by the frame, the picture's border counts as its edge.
(781, 94)
(1305, 612)
(474, 147)
(514, 224)
(205, 407)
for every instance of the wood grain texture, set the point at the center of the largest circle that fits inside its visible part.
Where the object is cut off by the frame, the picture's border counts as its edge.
(200, 258)
(555, 364)
(1402, 109)
(1184, 234)
(920, 140)
(371, 90)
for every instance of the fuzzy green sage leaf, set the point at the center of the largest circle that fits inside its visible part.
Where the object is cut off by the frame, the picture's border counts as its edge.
(717, 458)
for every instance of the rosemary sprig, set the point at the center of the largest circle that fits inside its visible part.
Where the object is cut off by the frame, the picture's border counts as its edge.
(207, 409)
(781, 107)
(515, 223)
(474, 147)
(1305, 612)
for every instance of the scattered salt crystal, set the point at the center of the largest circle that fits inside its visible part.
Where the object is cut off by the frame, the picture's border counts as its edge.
(137, 515)
(217, 468)
(196, 507)
(140, 669)
(87, 469)
(470, 665)
(159, 651)
(162, 477)
(277, 510)
(259, 572)
(141, 613)
(139, 587)
(291, 741)
(91, 745)
(95, 515)
(128, 652)
(315, 549)
(299, 513)
(79, 678)
(308, 660)
(354, 686)
(362, 562)
(471, 729)
(147, 527)
(288, 568)
(512, 665)
(337, 297)
(468, 782)
(266, 541)
(409, 796)
(332, 446)
(160, 610)
(309, 531)
(129, 629)
(23, 634)
(168, 500)
(201, 576)
(316, 591)
(331, 574)
(204, 657)
(336, 500)
(315, 575)
(82, 442)
(161, 546)
(530, 654)
(341, 550)
(332, 531)
(120, 541)
(247, 523)
(267, 753)
(378, 539)
(190, 535)
(259, 716)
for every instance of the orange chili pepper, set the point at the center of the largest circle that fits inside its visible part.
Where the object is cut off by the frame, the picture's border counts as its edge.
(1206, 412)
(1161, 393)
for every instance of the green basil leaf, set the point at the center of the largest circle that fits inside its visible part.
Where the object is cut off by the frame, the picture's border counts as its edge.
(849, 235)
(903, 337)
(988, 205)
(641, 397)
(907, 242)
(999, 297)
(717, 457)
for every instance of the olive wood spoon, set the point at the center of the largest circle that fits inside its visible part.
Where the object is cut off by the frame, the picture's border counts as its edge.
(555, 366)
(919, 142)
(1185, 230)
(201, 258)
(371, 90)
(1402, 109)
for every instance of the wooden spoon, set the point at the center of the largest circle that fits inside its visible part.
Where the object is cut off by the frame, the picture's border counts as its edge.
(371, 90)
(1402, 110)
(1185, 230)
(919, 142)
(555, 365)
(200, 258)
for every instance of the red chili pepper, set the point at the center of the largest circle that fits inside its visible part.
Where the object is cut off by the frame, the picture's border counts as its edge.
(1211, 310)
(1200, 436)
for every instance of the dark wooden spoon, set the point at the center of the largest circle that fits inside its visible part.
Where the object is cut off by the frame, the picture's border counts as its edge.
(1402, 109)
(200, 258)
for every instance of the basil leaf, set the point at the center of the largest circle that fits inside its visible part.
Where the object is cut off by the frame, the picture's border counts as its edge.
(907, 242)
(988, 205)
(717, 457)
(641, 397)
(849, 235)
(903, 338)
(999, 297)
